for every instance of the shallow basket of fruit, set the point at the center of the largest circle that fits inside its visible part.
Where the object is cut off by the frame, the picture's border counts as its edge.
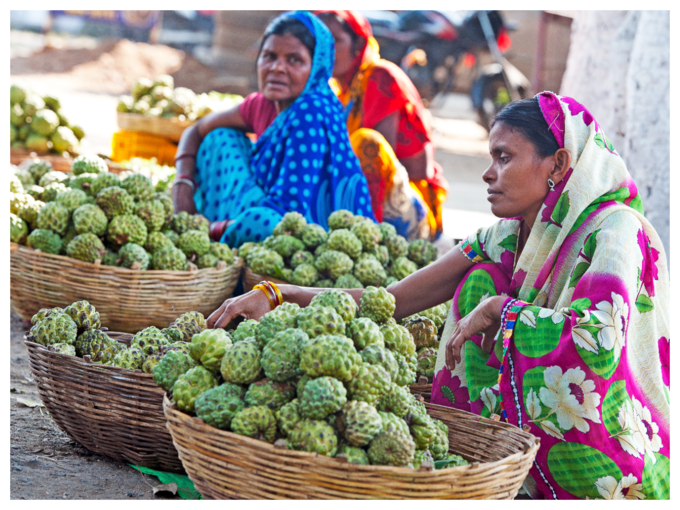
(112, 239)
(225, 465)
(314, 403)
(98, 387)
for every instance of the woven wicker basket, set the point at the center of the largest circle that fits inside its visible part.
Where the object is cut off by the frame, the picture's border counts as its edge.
(224, 465)
(59, 163)
(126, 299)
(108, 410)
(171, 128)
(250, 279)
(422, 388)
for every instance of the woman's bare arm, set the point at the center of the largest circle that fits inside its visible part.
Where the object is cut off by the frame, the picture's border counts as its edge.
(428, 287)
(432, 285)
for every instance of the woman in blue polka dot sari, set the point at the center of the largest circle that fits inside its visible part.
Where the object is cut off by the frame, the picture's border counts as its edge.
(302, 160)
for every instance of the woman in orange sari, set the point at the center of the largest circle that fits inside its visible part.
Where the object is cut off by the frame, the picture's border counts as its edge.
(387, 130)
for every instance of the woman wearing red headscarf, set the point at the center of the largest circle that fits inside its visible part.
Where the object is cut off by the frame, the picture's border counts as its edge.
(387, 129)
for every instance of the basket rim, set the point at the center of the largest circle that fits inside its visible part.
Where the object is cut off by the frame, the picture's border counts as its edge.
(123, 271)
(152, 118)
(89, 364)
(531, 443)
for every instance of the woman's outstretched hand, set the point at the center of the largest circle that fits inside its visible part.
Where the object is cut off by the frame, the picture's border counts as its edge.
(485, 319)
(252, 305)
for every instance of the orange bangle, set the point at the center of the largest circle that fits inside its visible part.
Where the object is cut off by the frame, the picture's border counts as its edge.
(267, 292)
(274, 290)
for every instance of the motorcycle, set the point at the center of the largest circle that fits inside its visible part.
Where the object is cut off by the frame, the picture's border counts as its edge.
(428, 45)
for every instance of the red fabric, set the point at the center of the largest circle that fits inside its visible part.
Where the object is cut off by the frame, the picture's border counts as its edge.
(390, 90)
(258, 113)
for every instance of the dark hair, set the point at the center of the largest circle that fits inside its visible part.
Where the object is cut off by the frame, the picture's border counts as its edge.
(526, 117)
(343, 24)
(288, 25)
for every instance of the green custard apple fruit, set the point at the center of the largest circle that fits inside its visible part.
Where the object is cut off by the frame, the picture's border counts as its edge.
(172, 365)
(56, 328)
(89, 164)
(322, 396)
(218, 406)
(102, 181)
(341, 218)
(86, 247)
(314, 436)
(341, 302)
(132, 253)
(45, 241)
(139, 187)
(190, 385)
(281, 356)
(84, 315)
(208, 348)
(241, 362)
(54, 217)
(371, 383)
(126, 228)
(115, 201)
(347, 281)
(257, 422)
(168, 258)
(364, 332)
(330, 355)
(391, 448)
(271, 394)
(90, 218)
(360, 422)
(377, 304)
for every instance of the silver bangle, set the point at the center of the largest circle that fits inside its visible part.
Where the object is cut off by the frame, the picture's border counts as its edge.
(184, 181)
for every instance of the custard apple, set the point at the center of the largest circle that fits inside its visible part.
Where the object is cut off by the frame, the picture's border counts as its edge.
(377, 304)
(341, 302)
(84, 315)
(18, 230)
(171, 366)
(194, 243)
(241, 362)
(369, 271)
(330, 355)
(102, 181)
(208, 348)
(391, 421)
(152, 213)
(257, 422)
(341, 218)
(301, 257)
(423, 330)
(67, 349)
(246, 329)
(218, 406)
(53, 216)
(149, 340)
(115, 201)
(397, 246)
(322, 396)
(71, 199)
(401, 267)
(364, 332)
(281, 356)
(368, 233)
(370, 384)
(293, 223)
(90, 218)
(87, 247)
(275, 321)
(287, 416)
(130, 359)
(360, 422)
(168, 258)
(271, 394)
(139, 187)
(56, 328)
(89, 164)
(314, 436)
(190, 385)
(333, 264)
(392, 448)
(313, 235)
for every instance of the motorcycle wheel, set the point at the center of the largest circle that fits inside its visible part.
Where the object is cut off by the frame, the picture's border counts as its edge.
(495, 97)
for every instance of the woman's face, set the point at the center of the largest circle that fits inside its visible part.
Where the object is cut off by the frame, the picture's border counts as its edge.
(517, 176)
(283, 68)
(344, 51)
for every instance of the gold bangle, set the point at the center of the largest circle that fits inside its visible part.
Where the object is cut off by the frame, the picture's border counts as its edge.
(266, 291)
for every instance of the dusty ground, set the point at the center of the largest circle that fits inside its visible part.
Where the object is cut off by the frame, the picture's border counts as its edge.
(44, 462)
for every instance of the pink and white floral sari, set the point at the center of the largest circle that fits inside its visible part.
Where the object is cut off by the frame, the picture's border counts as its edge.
(584, 360)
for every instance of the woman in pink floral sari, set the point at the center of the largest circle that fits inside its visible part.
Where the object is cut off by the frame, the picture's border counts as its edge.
(559, 322)
(582, 357)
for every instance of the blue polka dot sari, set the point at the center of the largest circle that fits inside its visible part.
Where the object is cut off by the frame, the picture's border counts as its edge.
(303, 162)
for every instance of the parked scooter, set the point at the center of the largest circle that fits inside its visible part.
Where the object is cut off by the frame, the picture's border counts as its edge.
(428, 45)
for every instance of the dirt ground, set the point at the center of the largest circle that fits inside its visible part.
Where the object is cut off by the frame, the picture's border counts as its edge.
(44, 462)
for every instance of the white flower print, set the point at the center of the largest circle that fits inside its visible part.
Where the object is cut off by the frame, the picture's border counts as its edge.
(484, 297)
(533, 405)
(582, 337)
(489, 399)
(551, 429)
(626, 488)
(571, 397)
(644, 430)
(556, 315)
(626, 439)
(613, 317)
(528, 318)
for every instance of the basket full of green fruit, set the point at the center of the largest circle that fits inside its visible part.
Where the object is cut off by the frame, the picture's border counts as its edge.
(313, 403)
(98, 386)
(115, 241)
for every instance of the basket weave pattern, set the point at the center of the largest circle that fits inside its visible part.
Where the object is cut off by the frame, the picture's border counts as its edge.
(423, 389)
(126, 299)
(107, 409)
(224, 465)
(250, 279)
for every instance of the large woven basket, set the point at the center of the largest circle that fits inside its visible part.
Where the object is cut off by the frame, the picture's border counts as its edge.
(109, 410)
(59, 163)
(224, 465)
(171, 128)
(250, 279)
(126, 299)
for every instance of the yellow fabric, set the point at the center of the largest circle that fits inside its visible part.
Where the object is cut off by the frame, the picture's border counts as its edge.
(392, 193)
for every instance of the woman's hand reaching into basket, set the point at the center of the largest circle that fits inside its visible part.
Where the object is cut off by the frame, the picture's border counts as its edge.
(251, 305)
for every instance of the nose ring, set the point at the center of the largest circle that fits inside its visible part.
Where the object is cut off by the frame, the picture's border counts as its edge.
(551, 183)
